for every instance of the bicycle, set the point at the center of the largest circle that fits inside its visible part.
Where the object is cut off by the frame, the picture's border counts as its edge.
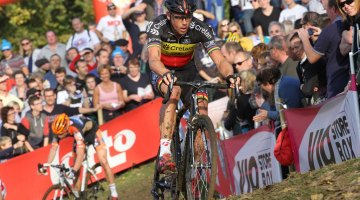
(90, 185)
(196, 168)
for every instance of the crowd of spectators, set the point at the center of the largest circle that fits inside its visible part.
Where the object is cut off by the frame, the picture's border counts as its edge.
(293, 53)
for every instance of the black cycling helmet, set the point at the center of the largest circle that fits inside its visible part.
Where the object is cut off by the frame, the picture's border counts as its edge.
(185, 7)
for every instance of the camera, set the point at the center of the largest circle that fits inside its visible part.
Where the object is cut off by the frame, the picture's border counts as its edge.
(310, 32)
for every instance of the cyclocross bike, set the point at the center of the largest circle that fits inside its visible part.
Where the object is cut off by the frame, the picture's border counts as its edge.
(90, 185)
(196, 164)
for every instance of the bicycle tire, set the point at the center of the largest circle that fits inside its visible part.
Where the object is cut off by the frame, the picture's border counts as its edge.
(49, 195)
(93, 185)
(200, 174)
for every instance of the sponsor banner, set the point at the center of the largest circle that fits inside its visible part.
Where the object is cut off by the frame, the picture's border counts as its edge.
(250, 166)
(131, 139)
(326, 134)
(4, 2)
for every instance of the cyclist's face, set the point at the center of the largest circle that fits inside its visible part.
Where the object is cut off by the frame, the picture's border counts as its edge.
(180, 23)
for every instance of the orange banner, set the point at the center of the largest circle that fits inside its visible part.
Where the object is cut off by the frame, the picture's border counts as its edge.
(131, 139)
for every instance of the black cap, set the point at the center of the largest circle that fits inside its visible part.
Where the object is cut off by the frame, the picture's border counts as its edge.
(32, 91)
(121, 42)
(41, 62)
(88, 49)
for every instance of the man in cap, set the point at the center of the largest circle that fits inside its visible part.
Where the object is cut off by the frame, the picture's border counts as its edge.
(123, 44)
(11, 62)
(112, 26)
(43, 66)
(118, 69)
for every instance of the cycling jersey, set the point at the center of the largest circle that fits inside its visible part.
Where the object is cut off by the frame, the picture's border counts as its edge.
(90, 136)
(177, 52)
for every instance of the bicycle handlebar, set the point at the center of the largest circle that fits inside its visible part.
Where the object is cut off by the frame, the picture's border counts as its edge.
(61, 167)
(197, 85)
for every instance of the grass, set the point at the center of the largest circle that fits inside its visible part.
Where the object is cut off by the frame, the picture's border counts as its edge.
(340, 181)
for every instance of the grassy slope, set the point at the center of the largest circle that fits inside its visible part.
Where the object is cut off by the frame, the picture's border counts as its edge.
(333, 182)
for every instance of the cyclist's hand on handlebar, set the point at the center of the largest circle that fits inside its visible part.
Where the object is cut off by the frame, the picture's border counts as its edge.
(167, 78)
(42, 169)
(71, 174)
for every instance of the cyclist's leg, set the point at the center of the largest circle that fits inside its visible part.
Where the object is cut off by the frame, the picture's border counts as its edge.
(101, 152)
(167, 122)
(202, 102)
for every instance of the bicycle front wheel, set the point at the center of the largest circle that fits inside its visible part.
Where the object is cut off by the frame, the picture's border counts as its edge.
(201, 159)
(56, 192)
(93, 186)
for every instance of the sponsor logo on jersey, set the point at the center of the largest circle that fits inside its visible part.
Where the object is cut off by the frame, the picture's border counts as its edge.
(203, 30)
(177, 49)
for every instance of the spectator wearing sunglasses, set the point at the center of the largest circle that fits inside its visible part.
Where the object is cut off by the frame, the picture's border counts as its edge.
(349, 10)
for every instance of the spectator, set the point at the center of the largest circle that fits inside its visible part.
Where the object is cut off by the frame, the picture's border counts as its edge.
(327, 44)
(256, 52)
(241, 113)
(109, 95)
(281, 89)
(70, 96)
(102, 59)
(10, 62)
(82, 38)
(309, 20)
(132, 28)
(229, 50)
(223, 29)
(111, 26)
(88, 56)
(29, 53)
(118, 70)
(314, 6)
(278, 52)
(71, 53)
(312, 76)
(5, 96)
(276, 28)
(15, 131)
(9, 150)
(137, 88)
(292, 12)
(349, 11)
(43, 66)
(265, 60)
(123, 44)
(60, 74)
(54, 65)
(82, 71)
(243, 61)
(20, 88)
(263, 16)
(36, 123)
(246, 13)
(53, 47)
(89, 89)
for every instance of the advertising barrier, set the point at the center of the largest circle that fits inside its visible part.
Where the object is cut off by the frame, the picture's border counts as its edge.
(131, 139)
(247, 162)
(326, 134)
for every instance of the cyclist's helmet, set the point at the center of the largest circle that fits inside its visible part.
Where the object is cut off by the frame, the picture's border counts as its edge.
(185, 7)
(61, 124)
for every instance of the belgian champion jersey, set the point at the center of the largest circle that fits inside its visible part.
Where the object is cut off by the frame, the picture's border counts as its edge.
(177, 52)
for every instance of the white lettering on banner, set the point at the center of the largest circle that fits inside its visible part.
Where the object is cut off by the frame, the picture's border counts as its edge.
(122, 142)
(255, 165)
(332, 136)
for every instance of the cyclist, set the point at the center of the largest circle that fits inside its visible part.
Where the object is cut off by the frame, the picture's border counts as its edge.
(85, 132)
(172, 40)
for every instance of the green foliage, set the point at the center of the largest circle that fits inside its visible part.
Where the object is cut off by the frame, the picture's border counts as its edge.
(32, 18)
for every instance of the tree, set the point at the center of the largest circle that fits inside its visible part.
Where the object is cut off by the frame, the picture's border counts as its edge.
(32, 18)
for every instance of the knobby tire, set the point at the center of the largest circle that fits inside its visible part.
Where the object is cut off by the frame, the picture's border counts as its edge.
(200, 175)
(93, 186)
(49, 194)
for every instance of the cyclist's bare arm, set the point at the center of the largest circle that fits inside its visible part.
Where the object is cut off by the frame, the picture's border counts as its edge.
(52, 153)
(80, 152)
(222, 64)
(155, 63)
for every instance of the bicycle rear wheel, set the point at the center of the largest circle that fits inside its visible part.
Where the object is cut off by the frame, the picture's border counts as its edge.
(201, 159)
(58, 192)
(93, 184)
